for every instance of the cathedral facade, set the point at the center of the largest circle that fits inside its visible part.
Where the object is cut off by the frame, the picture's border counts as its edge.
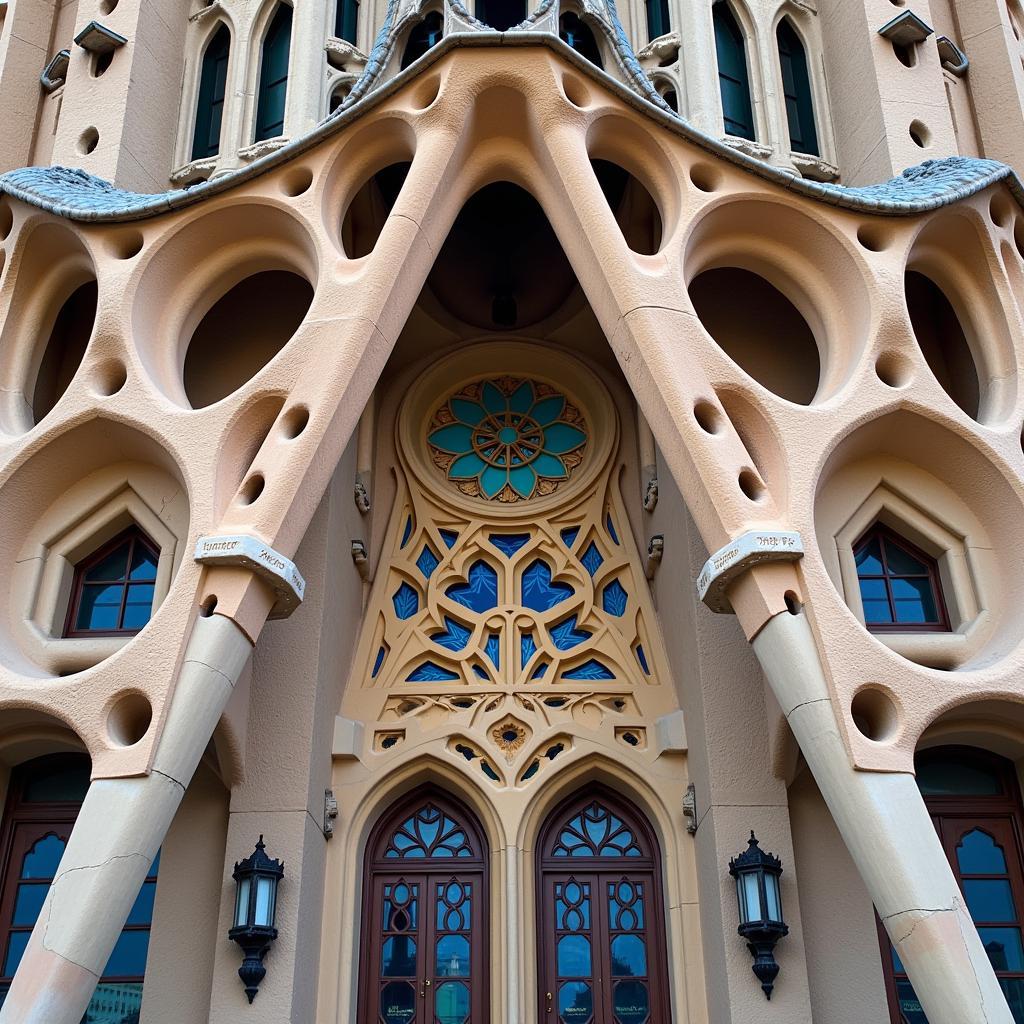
(511, 512)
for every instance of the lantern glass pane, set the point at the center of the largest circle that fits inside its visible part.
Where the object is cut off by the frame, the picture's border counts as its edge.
(264, 902)
(774, 900)
(753, 896)
(242, 903)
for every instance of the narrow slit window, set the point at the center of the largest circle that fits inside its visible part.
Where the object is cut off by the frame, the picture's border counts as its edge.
(733, 75)
(213, 80)
(658, 22)
(346, 20)
(273, 88)
(423, 36)
(796, 88)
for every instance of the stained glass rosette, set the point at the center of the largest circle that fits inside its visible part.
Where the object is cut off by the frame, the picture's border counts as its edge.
(507, 439)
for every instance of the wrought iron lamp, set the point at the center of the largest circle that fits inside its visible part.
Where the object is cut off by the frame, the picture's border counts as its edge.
(256, 878)
(760, 905)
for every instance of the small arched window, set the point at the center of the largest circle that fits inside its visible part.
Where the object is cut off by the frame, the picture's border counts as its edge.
(213, 80)
(733, 76)
(601, 914)
(796, 88)
(974, 801)
(273, 87)
(658, 22)
(112, 591)
(424, 35)
(346, 20)
(425, 921)
(580, 36)
(900, 587)
(501, 14)
(43, 801)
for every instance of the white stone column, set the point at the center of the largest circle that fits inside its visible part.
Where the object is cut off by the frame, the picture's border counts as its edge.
(118, 833)
(886, 827)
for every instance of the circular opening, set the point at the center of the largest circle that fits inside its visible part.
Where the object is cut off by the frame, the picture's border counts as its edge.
(875, 715)
(208, 606)
(251, 489)
(242, 332)
(575, 91)
(129, 720)
(764, 333)
(751, 485)
(873, 237)
(65, 349)
(510, 736)
(906, 53)
(999, 210)
(893, 370)
(707, 416)
(705, 177)
(365, 216)
(297, 182)
(793, 603)
(294, 422)
(920, 134)
(100, 62)
(635, 210)
(107, 6)
(88, 141)
(126, 245)
(6, 219)
(426, 93)
(111, 376)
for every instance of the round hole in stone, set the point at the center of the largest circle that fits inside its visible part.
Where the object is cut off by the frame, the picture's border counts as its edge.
(64, 349)
(125, 245)
(426, 93)
(208, 605)
(108, 6)
(751, 485)
(873, 237)
(88, 141)
(370, 206)
(100, 63)
(1000, 209)
(575, 91)
(793, 603)
(509, 736)
(705, 177)
(635, 210)
(297, 181)
(111, 376)
(906, 53)
(708, 418)
(920, 133)
(294, 422)
(765, 334)
(6, 219)
(241, 332)
(252, 489)
(129, 719)
(893, 369)
(875, 715)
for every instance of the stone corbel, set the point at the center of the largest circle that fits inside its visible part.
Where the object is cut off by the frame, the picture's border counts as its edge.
(53, 75)
(248, 552)
(736, 557)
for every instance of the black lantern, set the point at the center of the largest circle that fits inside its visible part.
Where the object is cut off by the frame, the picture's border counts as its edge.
(257, 878)
(760, 902)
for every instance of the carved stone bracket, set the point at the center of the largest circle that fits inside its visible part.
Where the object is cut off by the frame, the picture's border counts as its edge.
(752, 548)
(251, 553)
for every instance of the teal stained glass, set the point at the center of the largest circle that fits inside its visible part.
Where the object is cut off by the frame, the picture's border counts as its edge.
(507, 436)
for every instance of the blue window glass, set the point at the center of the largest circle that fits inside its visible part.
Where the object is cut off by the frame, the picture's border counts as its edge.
(658, 22)
(424, 35)
(346, 20)
(733, 77)
(796, 88)
(273, 87)
(213, 78)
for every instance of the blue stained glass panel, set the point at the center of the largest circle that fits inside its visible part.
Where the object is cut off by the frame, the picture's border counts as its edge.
(509, 543)
(449, 537)
(569, 535)
(494, 649)
(592, 669)
(480, 593)
(430, 672)
(527, 648)
(427, 562)
(614, 598)
(467, 411)
(455, 637)
(378, 661)
(531, 771)
(407, 532)
(480, 672)
(539, 671)
(592, 559)
(547, 410)
(539, 593)
(611, 528)
(455, 438)
(642, 658)
(406, 601)
(560, 438)
(566, 635)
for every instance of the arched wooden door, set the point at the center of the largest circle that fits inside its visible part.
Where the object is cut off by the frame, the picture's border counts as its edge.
(424, 950)
(601, 912)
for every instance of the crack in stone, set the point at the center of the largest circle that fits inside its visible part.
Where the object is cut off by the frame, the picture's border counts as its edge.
(170, 778)
(803, 704)
(929, 912)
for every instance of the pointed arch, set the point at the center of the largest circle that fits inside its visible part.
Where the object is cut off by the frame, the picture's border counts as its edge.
(425, 34)
(272, 92)
(572, 29)
(733, 73)
(796, 89)
(213, 77)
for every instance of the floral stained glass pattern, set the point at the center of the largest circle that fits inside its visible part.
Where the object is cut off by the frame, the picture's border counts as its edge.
(507, 439)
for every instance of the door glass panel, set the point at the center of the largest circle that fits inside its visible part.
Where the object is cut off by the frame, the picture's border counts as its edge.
(631, 1003)
(989, 899)
(452, 956)
(15, 950)
(629, 957)
(910, 1007)
(129, 956)
(397, 1002)
(42, 860)
(400, 907)
(451, 1003)
(626, 905)
(978, 854)
(454, 906)
(1004, 948)
(398, 957)
(574, 957)
(1013, 989)
(28, 903)
(575, 1003)
(572, 906)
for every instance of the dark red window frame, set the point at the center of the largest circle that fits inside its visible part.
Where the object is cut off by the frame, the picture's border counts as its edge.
(1001, 816)
(885, 535)
(135, 537)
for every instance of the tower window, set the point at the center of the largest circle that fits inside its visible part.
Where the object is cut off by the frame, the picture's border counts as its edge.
(899, 585)
(423, 36)
(733, 76)
(212, 89)
(658, 22)
(501, 14)
(273, 90)
(346, 20)
(580, 37)
(112, 592)
(796, 88)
